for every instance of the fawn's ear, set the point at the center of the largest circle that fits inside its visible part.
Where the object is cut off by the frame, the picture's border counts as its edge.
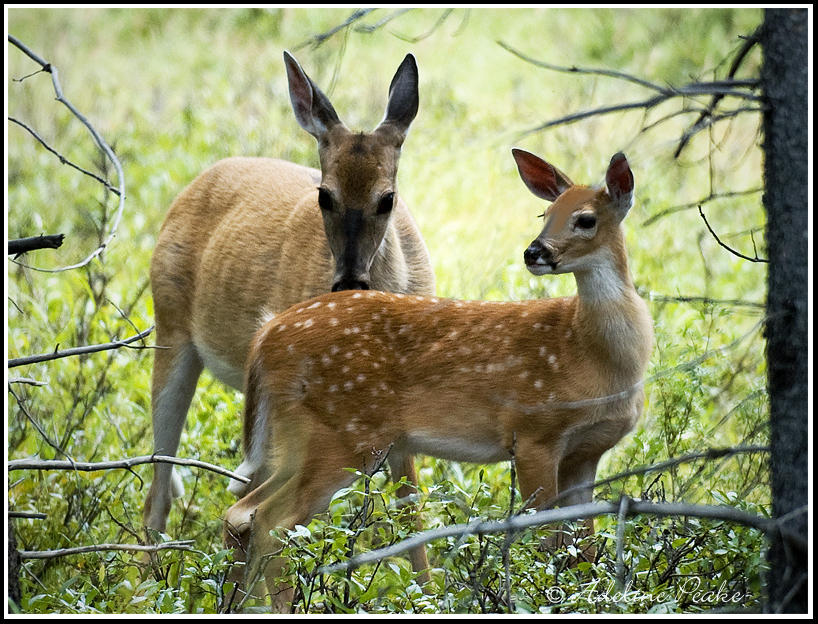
(619, 182)
(312, 108)
(543, 179)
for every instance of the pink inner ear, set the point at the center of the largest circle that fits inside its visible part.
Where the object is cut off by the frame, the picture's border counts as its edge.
(538, 175)
(619, 177)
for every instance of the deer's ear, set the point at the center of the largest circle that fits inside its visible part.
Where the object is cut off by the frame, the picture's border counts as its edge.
(619, 182)
(543, 179)
(312, 108)
(402, 105)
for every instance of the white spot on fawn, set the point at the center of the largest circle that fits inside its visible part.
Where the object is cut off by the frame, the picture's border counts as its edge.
(538, 384)
(317, 304)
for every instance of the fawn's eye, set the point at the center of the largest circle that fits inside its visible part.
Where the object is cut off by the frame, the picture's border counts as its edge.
(324, 199)
(586, 221)
(385, 204)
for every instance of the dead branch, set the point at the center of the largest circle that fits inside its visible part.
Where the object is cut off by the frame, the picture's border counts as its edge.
(319, 39)
(737, 303)
(712, 196)
(27, 515)
(28, 381)
(709, 454)
(125, 464)
(719, 89)
(20, 246)
(62, 158)
(553, 516)
(45, 357)
(727, 247)
(106, 149)
(80, 550)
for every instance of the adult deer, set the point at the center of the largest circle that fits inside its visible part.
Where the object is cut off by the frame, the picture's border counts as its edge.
(344, 378)
(250, 237)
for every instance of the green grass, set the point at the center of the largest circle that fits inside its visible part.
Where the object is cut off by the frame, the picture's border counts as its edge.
(174, 90)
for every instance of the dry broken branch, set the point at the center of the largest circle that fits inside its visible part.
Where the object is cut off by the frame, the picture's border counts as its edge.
(125, 464)
(106, 149)
(45, 357)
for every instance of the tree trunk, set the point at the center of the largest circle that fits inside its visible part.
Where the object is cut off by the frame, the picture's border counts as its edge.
(784, 82)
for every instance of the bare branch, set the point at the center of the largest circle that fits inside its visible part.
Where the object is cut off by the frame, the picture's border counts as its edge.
(748, 45)
(552, 516)
(43, 241)
(28, 515)
(62, 158)
(27, 380)
(80, 550)
(713, 453)
(727, 247)
(45, 357)
(368, 28)
(738, 303)
(721, 88)
(712, 196)
(622, 516)
(126, 464)
(579, 70)
(317, 40)
(48, 67)
(21, 404)
(429, 32)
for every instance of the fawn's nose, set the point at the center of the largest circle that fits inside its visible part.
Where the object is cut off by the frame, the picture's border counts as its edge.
(537, 253)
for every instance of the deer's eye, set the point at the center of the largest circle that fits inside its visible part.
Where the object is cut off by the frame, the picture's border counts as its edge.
(385, 204)
(324, 200)
(586, 221)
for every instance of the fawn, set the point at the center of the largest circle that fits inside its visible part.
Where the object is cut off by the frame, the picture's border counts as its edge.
(336, 381)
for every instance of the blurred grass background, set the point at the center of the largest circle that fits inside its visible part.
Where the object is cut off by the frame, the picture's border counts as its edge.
(174, 90)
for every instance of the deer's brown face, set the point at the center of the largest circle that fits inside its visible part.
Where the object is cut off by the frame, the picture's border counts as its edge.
(356, 198)
(357, 191)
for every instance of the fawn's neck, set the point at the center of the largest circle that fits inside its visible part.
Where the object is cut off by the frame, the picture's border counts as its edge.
(610, 316)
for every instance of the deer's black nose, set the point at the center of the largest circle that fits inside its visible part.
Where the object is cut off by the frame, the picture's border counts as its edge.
(537, 253)
(349, 284)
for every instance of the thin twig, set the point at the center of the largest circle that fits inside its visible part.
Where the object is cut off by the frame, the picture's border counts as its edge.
(748, 45)
(712, 196)
(579, 70)
(620, 541)
(319, 39)
(27, 380)
(727, 247)
(62, 158)
(45, 357)
(126, 464)
(48, 67)
(738, 303)
(709, 454)
(80, 550)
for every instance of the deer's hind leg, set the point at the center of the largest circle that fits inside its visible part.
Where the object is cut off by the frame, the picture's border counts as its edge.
(309, 464)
